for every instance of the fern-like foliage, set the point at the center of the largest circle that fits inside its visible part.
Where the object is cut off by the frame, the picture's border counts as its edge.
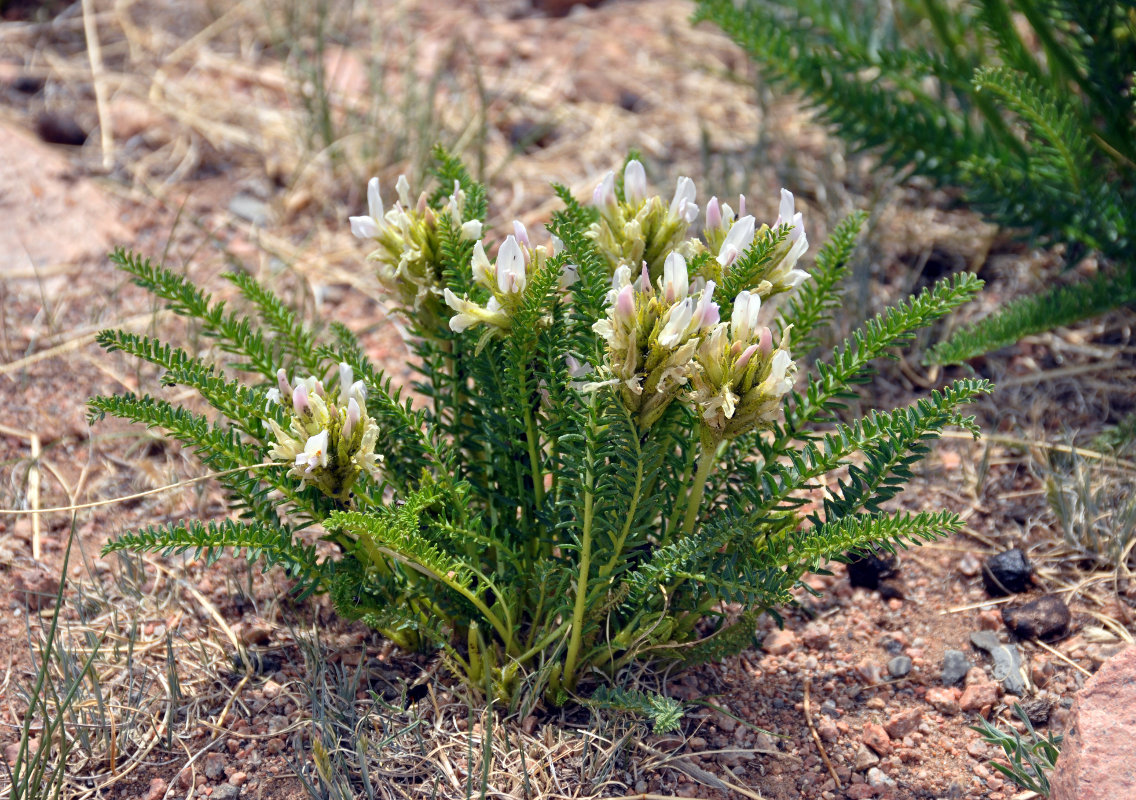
(519, 514)
(1025, 104)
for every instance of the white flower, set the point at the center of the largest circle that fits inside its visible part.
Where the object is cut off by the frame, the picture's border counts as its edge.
(676, 281)
(372, 224)
(315, 453)
(511, 278)
(678, 319)
(482, 267)
(403, 189)
(743, 322)
(683, 205)
(346, 378)
(471, 230)
(737, 241)
(635, 182)
(713, 214)
(604, 194)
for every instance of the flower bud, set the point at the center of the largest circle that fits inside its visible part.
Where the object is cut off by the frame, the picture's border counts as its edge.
(282, 384)
(352, 419)
(471, 230)
(713, 214)
(403, 189)
(634, 182)
(604, 194)
(346, 378)
(746, 355)
(765, 341)
(625, 305)
(300, 402)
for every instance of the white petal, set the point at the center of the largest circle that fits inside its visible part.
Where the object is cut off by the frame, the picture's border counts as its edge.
(676, 281)
(634, 182)
(511, 267)
(737, 240)
(364, 227)
(403, 188)
(374, 199)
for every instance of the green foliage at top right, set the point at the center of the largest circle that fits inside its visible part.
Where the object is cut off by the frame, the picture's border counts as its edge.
(1028, 105)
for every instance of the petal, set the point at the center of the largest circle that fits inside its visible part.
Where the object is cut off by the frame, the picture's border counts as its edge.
(364, 227)
(511, 267)
(634, 182)
(374, 200)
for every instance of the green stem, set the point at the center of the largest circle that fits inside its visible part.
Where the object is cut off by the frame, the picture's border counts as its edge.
(632, 510)
(582, 578)
(537, 473)
(706, 460)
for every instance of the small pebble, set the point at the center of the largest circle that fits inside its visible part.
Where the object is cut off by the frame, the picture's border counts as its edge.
(955, 666)
(899, 666)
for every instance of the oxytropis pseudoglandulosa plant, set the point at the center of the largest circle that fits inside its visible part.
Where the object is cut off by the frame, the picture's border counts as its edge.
(616, 446)
(1028, 105)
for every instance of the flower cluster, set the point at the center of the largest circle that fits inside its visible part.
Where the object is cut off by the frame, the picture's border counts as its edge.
(739, 378)
(504, 280)
(328, 443)
(408, 248)
(652, 333)
(663, 331)
(640, 228)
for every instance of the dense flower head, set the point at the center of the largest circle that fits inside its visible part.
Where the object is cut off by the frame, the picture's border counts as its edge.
(408, 243)
(642, 228)
(503, 280)
(330, 440)
(652, 331)
(740, 377)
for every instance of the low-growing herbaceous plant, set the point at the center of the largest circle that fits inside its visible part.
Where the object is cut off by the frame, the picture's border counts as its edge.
(617, 453)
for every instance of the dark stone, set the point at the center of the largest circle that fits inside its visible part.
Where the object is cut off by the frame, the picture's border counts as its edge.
(1006, 573)
(1046, 618)
(561, 8)
(28, 84)
(528, 136)
(899, 666)
(59, 129)
(226, 791)
(869, 568)
(955, 666)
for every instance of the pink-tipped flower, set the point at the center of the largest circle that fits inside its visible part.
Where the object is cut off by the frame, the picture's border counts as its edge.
(625, 305)
(713, 214)
(604, 194)
(765, 341)
(634, 182)
(741, 205)
(745, 357)
(707, 312)
(300, 403)
(678, 320)
(282, 384)
(354, 414)
(521, 232)
(788, 216)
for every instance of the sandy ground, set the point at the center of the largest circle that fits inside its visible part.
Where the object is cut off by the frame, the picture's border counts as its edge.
(202, 152)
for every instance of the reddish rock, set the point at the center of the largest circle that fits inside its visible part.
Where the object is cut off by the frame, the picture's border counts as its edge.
(35, 586)
(903, 723)
(826, 729)
(877, 738)
(945, 701)
(158, 789)
(860, 791)
(977, 696)
(816, 635)
(779, 643)
(1098, 757)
